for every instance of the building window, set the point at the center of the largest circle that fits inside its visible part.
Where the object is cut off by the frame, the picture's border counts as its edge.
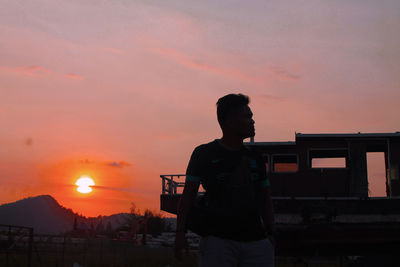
(285, 163)
(328, 158)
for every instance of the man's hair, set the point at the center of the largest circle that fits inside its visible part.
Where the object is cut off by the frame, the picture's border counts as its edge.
(229, 104)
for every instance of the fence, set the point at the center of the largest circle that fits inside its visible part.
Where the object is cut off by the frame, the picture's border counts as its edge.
(51, 250)
(16, 240)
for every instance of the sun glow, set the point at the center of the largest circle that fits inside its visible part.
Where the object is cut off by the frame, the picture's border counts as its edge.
(84, 183)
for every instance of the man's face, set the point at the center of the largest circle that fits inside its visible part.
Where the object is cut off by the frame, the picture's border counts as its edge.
(242, 123)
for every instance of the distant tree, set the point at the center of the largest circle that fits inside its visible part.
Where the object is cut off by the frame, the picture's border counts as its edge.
(75, 224)
(100, 228)
(133, 208)
(156, 223)
(132, 216)
(109, 231)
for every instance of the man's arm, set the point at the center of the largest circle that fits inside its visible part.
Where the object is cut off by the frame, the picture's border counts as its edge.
(194, 172)
(267, 210)
(185, 204)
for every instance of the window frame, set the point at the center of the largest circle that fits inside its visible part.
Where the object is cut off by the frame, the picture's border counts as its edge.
(267, 158)
(346, 158)
(272, 162)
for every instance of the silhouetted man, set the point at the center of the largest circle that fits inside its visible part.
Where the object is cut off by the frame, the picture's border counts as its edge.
(235, 215)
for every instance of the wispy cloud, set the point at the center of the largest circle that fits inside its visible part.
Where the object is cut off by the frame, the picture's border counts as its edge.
(36, 71)
(27, 70)
(87, 161)
(117, 164)
(111, 50)
(283, 74)
(28, 141)
(189, 62)
(268, 97)
(74, 76)
(227, 71)
(120, 189)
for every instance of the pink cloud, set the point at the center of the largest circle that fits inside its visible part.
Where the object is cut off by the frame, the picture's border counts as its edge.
(268, 97)
(28, 141)
(118, 164)
(185, 60)
(27, 70)
(283, 74)
(112, 50)
(74, 76)
(256, 76)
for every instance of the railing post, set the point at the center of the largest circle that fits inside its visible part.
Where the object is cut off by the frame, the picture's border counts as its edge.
(171, 184)
(163, 184)
(8, 244)
(175, 185)
(30, 247)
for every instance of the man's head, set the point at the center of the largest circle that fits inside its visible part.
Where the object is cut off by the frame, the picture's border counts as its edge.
(235, 116)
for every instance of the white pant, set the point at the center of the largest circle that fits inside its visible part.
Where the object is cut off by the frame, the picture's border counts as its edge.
(219, 252)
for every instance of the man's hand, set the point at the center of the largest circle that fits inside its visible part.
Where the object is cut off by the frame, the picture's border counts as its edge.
(271, 234)
(180, 244)
(272, 239)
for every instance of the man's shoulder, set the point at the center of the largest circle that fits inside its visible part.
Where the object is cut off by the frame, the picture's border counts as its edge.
(207, 147)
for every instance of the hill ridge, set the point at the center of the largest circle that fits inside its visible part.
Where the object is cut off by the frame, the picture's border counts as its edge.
(47, 216)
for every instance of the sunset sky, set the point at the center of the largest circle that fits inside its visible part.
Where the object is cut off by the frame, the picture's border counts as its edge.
(123, 90)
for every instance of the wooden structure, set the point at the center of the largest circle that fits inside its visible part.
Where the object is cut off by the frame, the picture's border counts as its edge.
(320, 192)
(293, 172)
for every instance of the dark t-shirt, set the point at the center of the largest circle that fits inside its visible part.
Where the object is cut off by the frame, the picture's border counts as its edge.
(231, 180)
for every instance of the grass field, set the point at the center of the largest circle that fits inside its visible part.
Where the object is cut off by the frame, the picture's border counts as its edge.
(125, 254)
(133, 256)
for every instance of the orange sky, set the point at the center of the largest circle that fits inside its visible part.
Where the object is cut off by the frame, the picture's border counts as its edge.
(124, 90)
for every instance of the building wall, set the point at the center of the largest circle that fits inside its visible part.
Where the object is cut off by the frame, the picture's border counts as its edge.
(394, 150)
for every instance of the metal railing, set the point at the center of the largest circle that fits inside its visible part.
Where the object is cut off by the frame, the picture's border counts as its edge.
(10, 237)
(169, 186)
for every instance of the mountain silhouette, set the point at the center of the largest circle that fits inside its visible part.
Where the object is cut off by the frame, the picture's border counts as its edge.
(47, 216)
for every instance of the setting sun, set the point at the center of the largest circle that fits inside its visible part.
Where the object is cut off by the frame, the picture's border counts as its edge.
(84, 183)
